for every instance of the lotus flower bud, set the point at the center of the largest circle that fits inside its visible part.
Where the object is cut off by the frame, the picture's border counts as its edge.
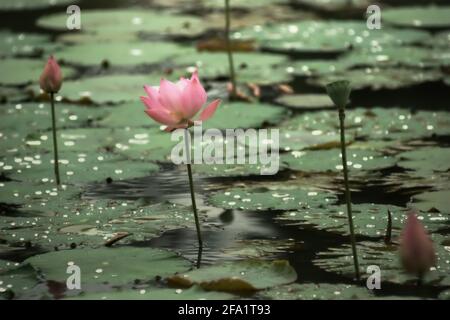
(51, 78)
(416, 248)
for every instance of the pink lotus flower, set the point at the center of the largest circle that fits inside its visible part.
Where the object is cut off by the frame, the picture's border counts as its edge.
(416, 248)
(51, 78)
(176, 104)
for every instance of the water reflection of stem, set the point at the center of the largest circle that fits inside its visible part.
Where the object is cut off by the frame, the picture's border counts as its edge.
(228, 46)
(55, 142)
(347, 191)
(187, 139)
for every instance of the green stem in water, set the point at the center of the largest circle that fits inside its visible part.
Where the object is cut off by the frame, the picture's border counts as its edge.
(194, 205)
(55, 142)
(347, 192)
(228, 45)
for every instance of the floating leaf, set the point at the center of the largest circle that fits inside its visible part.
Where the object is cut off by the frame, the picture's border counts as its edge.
(129, 21)
(24, 71)
(369, 219)
(339, 260)
(329, 36)
(238, 277)
(155, 293)
(306, 101)
(33, 4)
(331, 161)
(277, 199)
(249, 67)
(120, 53)
(432, 201)
(419, 17)
(115, 266)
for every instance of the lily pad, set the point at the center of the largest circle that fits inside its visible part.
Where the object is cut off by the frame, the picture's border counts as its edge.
(432, 201)
(425, 161)
(306, 101)
(25, 71)
(115, 266)
(30, 118)
(244, 115)
(331, 161)
(430, 17)
(14, 283)
(129, 21)
(154, 293)
(238, 277)
(76, 167)
(257, 68)
(24, 44)
(339, 260)
(33, 4)
(106, 89)
(277, 199)
(377, 78)
(134, 114)
(120, 53)
(318, 291)
(369, 219)
(333, 6)
(329, 36)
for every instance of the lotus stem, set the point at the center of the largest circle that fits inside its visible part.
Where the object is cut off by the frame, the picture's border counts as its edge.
(347, 192)
(55, 140)
(187, 138)
(388, 237)
(229, 51)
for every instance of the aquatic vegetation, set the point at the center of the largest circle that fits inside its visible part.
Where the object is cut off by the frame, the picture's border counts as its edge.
(126, 215)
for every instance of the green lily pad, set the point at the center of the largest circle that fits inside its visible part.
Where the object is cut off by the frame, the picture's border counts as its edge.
(331, 161)
(333, 6)
(418, 17)
(306, 101)
(143, 144)
(106, 89)
(318, 291)
(432, 201)
(376, 78)
(257, 68)
(120, 53)
(33, 117)
(369, 219)
(129, 114)
(33, 4)
(147, 222)
(19, 193)
(240, 276)
(14, 283)
(329, 36)
(11, 95)
(24, 44)
(219, 4)
(425, 161)
(75, 167)
(339, 260)
(24, 71)
(115, 266)
(244, 115)
(151, 293)
(291, 140)
(406, 56)
(129, 21)
(440, 40)
(277, 199)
